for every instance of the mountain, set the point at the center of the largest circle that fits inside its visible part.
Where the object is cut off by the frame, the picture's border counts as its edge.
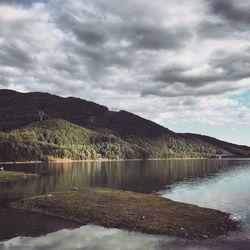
(19, 109)
(41, 126)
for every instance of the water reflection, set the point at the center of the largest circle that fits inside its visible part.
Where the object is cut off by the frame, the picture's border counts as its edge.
(139, 176)
(93, 237)
(19, 223)
(87, 237)
(228, 191)
(222, 184)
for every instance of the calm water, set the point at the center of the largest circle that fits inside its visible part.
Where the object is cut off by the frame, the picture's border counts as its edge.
(220, 184)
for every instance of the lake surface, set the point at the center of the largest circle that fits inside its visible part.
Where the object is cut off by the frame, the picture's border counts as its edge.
(222, 184)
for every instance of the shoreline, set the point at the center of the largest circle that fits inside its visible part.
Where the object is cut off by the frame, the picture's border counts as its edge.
(112, 160)
(132, 211)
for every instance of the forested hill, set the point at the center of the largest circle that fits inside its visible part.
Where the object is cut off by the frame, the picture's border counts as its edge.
(40, 126)
(20, 109)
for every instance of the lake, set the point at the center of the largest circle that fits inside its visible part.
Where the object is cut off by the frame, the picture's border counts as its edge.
(221, 184)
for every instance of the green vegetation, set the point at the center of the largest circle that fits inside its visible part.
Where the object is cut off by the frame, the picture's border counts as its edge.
(56, 138)
(132, 211)
(10, 176)
(81, 130)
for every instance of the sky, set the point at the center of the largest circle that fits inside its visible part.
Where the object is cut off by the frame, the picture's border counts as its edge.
(183, 64)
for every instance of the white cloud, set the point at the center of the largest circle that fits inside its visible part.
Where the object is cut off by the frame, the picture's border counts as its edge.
(162, 60)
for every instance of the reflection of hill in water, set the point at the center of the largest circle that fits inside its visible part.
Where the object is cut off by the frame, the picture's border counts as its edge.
(140, 176)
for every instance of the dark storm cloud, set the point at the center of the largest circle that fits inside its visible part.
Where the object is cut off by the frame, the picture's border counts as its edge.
(87, 33)
(21, 2)
(101, 44)
(175, 75)
(233, 22)
(90, 37)
(235, 66)
(180, 90)
(65, 66)
(154, 37)
(217, 30)
(26, 2)
(232, 67)
(142, 32)
(101, 58)
(14, 56)
(231, 11)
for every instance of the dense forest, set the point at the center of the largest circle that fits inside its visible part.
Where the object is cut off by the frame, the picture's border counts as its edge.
(40, 126)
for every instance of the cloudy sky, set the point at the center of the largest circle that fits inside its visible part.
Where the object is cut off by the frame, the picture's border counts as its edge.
(184, 64)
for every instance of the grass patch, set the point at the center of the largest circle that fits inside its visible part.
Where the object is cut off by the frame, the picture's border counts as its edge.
(10, 176)
(132, 211)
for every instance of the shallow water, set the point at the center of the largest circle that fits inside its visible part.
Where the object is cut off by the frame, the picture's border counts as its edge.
(221, 184)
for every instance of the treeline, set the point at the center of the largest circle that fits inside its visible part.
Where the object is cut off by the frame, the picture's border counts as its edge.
(57, 138)
(98, 133)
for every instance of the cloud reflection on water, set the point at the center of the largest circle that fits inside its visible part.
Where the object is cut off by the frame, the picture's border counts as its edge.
(89, 237)
(92, 237)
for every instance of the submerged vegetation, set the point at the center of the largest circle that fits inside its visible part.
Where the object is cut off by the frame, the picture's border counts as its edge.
(132, 211)
(10, 176)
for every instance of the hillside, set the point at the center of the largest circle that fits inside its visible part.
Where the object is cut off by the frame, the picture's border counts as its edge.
(78, 129)
(234, 149)
(19, 109)
(57, 138)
